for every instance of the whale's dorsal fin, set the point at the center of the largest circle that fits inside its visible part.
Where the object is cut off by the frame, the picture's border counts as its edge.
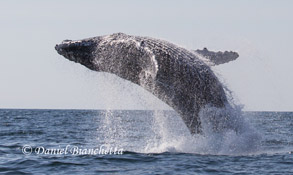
(217, 58)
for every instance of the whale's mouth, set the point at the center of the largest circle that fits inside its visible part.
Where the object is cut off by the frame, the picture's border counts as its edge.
(79, 51)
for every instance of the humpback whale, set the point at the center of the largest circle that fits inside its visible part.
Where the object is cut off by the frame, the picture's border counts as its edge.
(181, 78)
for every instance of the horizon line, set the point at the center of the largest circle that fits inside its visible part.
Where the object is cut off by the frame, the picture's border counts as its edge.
(78, 109)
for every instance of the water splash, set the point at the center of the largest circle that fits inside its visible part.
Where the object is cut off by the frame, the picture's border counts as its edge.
(233, 136)
(164, 131)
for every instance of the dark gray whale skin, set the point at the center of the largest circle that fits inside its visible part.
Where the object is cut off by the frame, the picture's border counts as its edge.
(173, 74)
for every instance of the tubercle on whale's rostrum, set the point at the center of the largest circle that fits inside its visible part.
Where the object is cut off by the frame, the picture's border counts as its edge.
(182, 79)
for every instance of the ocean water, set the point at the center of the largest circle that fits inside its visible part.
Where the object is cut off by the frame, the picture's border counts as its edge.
(141, 142)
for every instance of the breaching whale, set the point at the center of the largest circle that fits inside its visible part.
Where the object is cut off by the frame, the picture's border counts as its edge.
(181, 78)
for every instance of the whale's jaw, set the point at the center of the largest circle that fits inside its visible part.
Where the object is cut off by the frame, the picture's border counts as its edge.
(79, 51)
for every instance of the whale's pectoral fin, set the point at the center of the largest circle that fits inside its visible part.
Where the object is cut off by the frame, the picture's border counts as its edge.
(217, 58)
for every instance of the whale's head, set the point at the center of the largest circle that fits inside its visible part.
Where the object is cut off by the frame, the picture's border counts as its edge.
(118, 53)
(79, 51)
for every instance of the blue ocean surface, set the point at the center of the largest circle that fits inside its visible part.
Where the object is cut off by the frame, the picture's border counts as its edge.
(140, 142)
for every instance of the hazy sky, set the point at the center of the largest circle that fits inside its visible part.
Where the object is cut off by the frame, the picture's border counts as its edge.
(33, 75)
